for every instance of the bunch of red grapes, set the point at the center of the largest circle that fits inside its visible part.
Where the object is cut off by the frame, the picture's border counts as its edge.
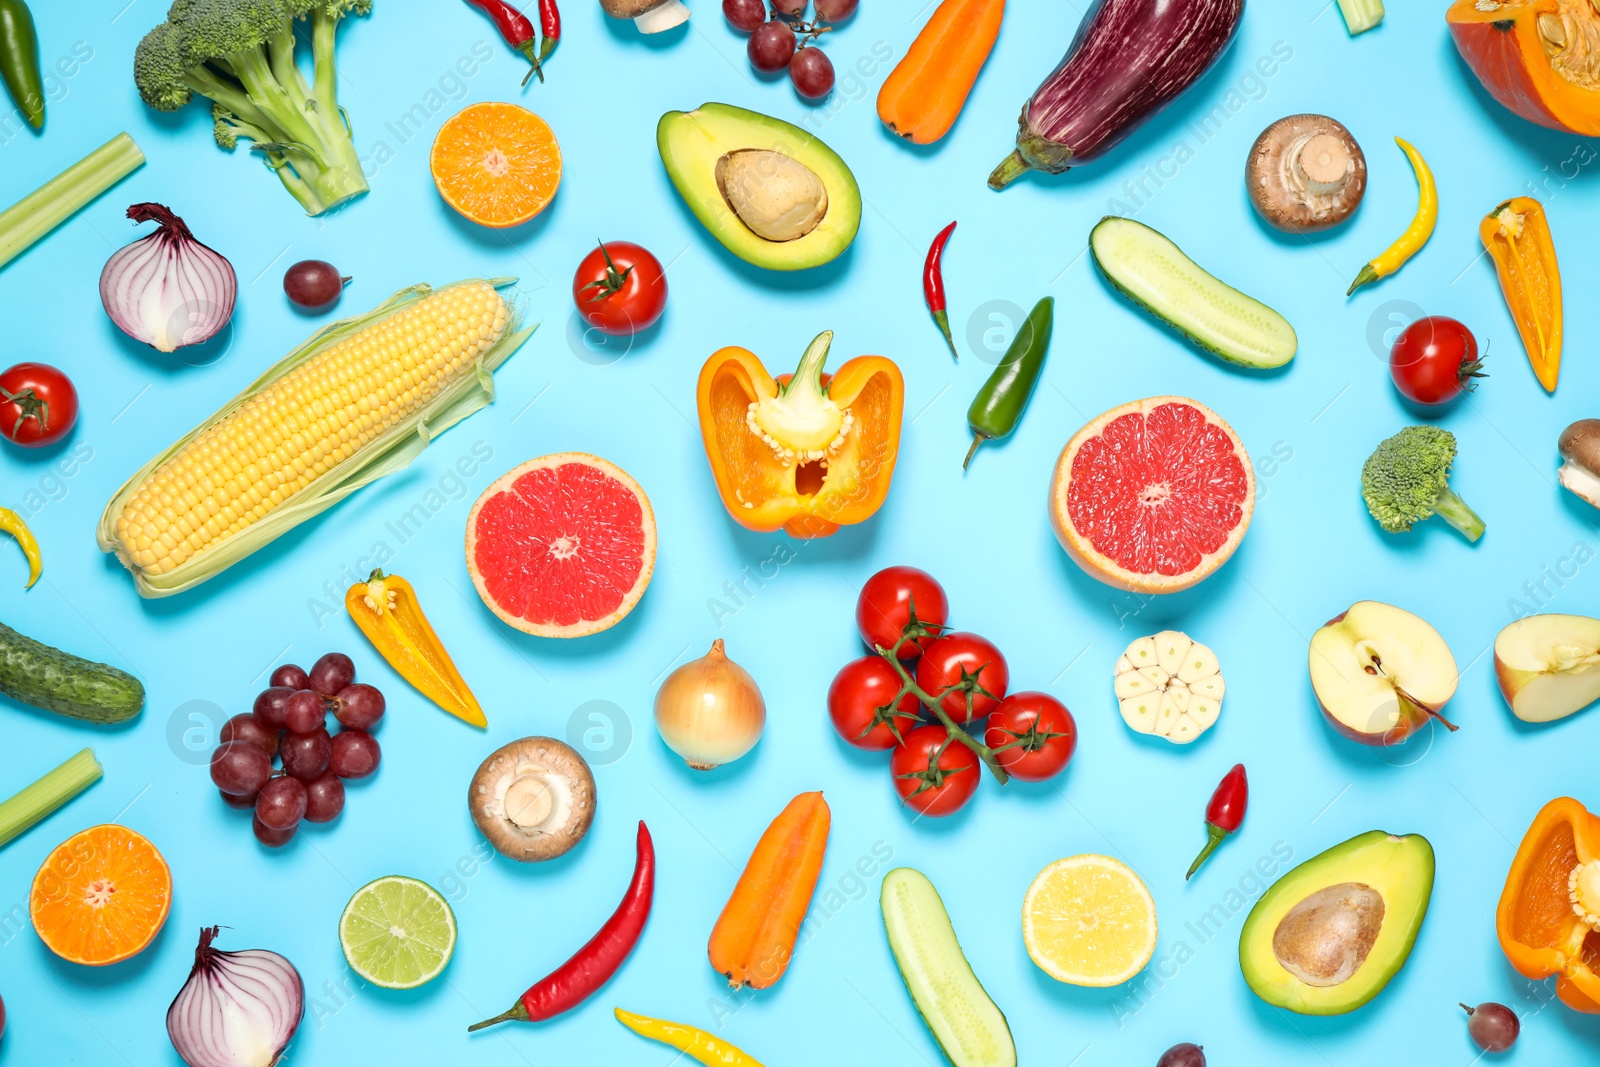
(289, 726)
(785, 39)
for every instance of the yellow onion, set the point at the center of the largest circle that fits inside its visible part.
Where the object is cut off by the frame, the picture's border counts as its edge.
(710, 711)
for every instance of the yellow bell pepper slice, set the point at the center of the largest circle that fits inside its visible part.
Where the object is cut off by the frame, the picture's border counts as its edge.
(385, 608)
(697, 1044)
(12, 524)
(1410, 243)
(1517, 237)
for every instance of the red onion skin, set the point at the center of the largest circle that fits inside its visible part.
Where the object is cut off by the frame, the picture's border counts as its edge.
(1130, 59)
(242, 977)
(209, 295)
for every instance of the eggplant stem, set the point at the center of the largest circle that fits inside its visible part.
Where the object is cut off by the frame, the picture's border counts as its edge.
(1009, 170)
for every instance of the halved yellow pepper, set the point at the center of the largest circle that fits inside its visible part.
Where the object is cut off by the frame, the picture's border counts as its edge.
(1548, 920)
(386, 610)
(1517, 236)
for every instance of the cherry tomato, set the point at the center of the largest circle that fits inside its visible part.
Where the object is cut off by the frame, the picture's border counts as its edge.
(959, 664)
(861, 703)
(934, 773)
(895, 597)
(620, 288)
(1033, 735)
(1434, 360)
(38, 404)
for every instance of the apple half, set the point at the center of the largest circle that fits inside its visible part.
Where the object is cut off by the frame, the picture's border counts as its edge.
(1380, 673)
(1548, 666)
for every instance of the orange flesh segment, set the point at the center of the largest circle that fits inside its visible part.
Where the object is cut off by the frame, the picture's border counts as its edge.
(497, 164)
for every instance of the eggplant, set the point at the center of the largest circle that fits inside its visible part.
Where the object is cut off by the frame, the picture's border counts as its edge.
(1130, 59)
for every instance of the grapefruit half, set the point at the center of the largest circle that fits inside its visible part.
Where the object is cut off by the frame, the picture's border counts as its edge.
(562, 546)
(1154, 495)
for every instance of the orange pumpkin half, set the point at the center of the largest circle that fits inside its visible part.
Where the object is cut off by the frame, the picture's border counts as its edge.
(1540, 58)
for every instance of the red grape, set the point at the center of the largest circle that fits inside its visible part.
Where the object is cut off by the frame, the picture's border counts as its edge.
(1493, 1026)
(270, 837)
(836, 10)
(324, 798)
(355, 754)
(789, 7)
(744, 15)
(313, 283)
(239, 767)
(359, 706)
(331, 673)
(248, 728)
(241, 803)
(282, 803)
(307, 712)
(770, 46)
(305, 756)
(272, 704)
(290, 677)
(1186, 1054)
(812, 73)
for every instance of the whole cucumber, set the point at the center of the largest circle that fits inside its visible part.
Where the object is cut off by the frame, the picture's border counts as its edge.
(48, 678)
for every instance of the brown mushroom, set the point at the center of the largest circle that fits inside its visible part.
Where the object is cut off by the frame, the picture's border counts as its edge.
(651, 16)
(1580, 454)
(533, 799)
(1306, 173)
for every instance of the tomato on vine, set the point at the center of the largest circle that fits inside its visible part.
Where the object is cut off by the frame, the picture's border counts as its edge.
(966, 673)
(620, 288)
(862, 704)
(1033, 736)
(901, 601)
(1434, 360)
(934, 773)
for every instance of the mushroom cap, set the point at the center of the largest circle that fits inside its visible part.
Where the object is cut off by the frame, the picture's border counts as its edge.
(1579, 446)
(629, 9)
(533, 799)
(1306, 173)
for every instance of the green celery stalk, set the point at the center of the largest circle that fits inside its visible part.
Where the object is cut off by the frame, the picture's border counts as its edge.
(41, 799)
(1361, 15)
(58, 199)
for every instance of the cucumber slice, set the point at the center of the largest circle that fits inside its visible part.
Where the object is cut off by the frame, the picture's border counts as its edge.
(970, 1030)
(1154, 273)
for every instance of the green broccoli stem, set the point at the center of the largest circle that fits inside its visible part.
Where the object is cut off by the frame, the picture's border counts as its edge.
(1452, 509)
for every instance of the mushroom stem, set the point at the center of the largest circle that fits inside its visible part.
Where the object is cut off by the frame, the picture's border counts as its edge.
(662, 17)
(1322, 162)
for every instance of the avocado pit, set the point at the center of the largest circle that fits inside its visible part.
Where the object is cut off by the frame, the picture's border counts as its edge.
(1324, 939)
(776, 196)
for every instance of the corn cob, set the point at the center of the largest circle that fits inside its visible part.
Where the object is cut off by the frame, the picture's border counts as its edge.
(358, 400)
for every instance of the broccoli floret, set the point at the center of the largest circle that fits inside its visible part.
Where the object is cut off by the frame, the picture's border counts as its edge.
(1407, 478)
(241, 54)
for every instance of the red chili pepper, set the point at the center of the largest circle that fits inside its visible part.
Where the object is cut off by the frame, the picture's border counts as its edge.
(515, 28)
(550, 27)
(592, 965)
(1224, 813)
(933, 285)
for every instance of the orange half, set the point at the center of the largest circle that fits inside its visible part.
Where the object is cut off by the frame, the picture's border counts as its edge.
(101, 896)
(497, 164)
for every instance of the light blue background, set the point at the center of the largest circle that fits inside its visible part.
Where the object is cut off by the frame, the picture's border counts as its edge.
(1311, 552)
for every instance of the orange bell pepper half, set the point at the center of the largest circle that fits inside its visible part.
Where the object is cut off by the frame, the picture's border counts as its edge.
(1517, 236)
(808, 452)
(1549, 915)
(385, 608)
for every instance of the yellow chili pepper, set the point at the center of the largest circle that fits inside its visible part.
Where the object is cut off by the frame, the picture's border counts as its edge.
(686, 1039)
(386, 610)
(12, 524)
(1416, 235)
(1517, 236)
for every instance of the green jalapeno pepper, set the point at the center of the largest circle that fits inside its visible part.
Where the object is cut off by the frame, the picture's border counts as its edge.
(997, 408)
(19, 60)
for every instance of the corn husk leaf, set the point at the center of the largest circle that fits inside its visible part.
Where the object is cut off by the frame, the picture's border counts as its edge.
(391, 451)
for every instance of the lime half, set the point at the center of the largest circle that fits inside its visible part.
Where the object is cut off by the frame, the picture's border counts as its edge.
(397, 932)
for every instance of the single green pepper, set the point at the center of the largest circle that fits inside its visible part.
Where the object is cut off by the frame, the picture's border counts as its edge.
(19, 60)
(997, 408)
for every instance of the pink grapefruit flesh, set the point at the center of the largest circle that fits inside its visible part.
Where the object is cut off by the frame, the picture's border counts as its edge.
(1154, 495)
(562, 546)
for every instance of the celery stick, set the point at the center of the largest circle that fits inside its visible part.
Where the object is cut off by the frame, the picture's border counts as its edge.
(58, 199)
(42, 798)
(1361, 15)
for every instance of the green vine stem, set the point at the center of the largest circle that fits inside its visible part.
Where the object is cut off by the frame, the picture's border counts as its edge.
(909, 685)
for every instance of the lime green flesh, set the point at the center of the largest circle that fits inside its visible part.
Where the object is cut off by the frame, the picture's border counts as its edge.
(970, 1029)
(691, 143)
(1154, 273)
(397, 932)
(1399, 869)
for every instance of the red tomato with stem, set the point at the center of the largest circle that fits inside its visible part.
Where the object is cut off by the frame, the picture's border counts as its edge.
(1434, 360)
(38, 404)
(961, 666)
(1033, 736)
(934, 773)
(896, 598)
(863, 706)
(620, 288)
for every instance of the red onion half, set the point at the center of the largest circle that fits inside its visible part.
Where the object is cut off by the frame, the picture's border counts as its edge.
(238, 1009)
(167, 289)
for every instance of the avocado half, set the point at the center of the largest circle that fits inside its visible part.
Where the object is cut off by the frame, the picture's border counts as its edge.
(693, 143)
(1330, 934)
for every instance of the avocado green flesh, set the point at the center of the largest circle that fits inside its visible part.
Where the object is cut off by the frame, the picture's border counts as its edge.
(1397, 869)
(1150, 270)
(691, 143)
(36, 674)
(970, 1030)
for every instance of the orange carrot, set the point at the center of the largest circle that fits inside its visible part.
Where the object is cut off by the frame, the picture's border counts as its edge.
(755, 935)
(926, 90)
